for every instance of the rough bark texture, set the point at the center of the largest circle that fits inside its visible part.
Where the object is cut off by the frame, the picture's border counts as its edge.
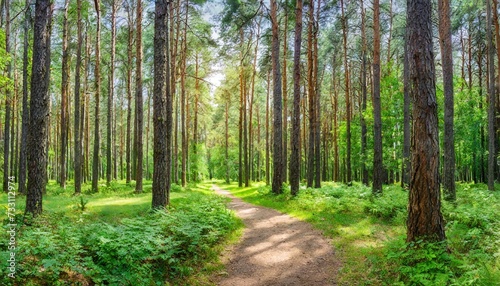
(277, 104)
(25, 112)
(8, 102)
(378, 167)
(425, 220)
(364, 130)
(77, 137)
(160, 159)
(64, 97)
(39, 109)
(311, 97)
(295, 145)
(139, 109)
(285, 92)
(405, 181)
(491, 97)
(449, 136)
(347, 97)
(111, 85)
(129, 94)
(97, 81)
(317, 112)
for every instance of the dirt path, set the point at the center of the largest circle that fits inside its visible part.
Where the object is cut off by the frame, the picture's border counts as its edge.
(276, 249)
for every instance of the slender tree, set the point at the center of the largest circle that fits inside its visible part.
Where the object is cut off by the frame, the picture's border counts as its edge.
(447, 61)
(295, 155)
(347, 96)
(97, 81)
(491, 97)
(378, 167)
(130, 39)
(425, 220)
(77, 125)
(25, 112)
(277, 104)
(8, 103)
(111, 95)
(64, 97)
(139, 113)
(39, 108)
(161, 170)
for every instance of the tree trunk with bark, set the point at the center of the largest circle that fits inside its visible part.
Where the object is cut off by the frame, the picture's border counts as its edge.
(425, 220)
(77, 125)
(492, 99)
(277, 103)
(139, 104)
(447, 62)
(8, 102)
(64, 97)
(295, 144)
(39, 109)
(378, 167)
(25, 112)
(97, 81)
(161, 170)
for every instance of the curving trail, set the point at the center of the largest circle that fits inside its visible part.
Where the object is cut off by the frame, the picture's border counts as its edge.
(276, 249)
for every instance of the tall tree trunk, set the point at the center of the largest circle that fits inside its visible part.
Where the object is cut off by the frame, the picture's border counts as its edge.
(246, 169)
(378, 167)
(497, 85)
(8, 102)
(347, 97)
(364, 131)
(425, 220)
(492, 96)
(25, 114)
(161, 171)
(111, 95)
(268, 95)
(406, 114)
(317, 96)
(39, 109)
(295, 144)
(252, 96)
(183, 100)
(447, 61)
(226, 113)
(77, 137)
(336, 160)
(64, 97)
(240, 122)
(129, 92)
(97, 80)
(311, 96)
(277, 104)
(139, 104)
(285, 94)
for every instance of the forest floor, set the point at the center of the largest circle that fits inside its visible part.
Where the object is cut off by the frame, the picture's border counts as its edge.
(276, 249)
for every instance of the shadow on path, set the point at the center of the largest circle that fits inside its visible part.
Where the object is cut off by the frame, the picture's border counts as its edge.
(276, 249)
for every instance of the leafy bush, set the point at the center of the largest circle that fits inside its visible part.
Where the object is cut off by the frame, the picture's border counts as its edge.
(160, 246)
(423, 263)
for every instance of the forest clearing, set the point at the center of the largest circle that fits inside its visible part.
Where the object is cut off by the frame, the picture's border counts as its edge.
(228, 142)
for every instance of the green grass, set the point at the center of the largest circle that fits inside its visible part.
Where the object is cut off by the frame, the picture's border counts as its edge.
(117, 237)
(368, 233)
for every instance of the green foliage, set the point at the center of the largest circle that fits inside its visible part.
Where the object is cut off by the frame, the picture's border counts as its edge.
(423, 263)
(81, 203)
(150, 249)
(369, 230)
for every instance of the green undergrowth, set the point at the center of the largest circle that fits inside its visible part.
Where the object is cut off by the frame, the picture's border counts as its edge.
(114, 238)
(369, 232)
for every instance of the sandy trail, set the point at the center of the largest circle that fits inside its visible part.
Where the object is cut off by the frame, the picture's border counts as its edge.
(276, 249)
